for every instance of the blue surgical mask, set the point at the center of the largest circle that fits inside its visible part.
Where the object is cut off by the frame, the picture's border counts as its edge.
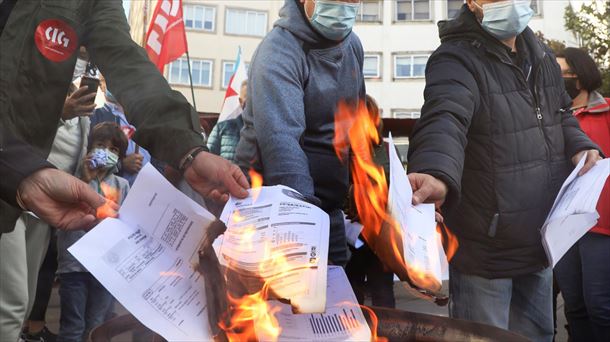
(334, 20)
(506, 19)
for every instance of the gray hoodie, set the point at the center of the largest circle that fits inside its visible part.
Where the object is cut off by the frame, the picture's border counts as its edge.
(295, 81)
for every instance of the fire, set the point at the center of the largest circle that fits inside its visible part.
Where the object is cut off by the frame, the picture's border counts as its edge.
(355, 127)
(254, 310)
(448, 240)
(257, 182)
(374, 325)
(110, 208)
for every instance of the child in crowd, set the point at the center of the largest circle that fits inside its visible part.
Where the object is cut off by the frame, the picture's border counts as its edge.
(84, 301)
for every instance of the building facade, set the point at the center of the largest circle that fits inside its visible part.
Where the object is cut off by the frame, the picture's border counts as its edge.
(398, 36)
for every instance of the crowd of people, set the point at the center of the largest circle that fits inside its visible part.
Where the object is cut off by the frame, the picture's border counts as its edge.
(504, 121)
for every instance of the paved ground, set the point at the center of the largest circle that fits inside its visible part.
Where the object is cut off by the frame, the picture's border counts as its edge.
(404, 301)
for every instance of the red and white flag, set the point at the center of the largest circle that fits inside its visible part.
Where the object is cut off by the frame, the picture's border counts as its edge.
(230, 107)
(166, 37)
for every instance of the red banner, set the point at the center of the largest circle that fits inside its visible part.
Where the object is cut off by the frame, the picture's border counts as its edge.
(166, 37)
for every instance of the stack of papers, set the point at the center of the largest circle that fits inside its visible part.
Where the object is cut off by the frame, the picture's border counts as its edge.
(574, 211)
(422, 247)
(145, 258)
(276, 223)
(342, 319)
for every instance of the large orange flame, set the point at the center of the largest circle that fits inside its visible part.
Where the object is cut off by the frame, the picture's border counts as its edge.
(110, 208)
(356, 128)
(374, 325)
(257, 182)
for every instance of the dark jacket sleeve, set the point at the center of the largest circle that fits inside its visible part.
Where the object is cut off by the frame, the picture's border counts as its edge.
(439, 138)
(166, 123)
(18, 160)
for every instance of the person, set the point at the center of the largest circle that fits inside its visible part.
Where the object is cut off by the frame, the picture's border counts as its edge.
(30, 109)
(309, 62)
(84, 302)
(23, 250)
(583, 274)
(365, 272)
(225, 135)
(136, 157)
(495, 141)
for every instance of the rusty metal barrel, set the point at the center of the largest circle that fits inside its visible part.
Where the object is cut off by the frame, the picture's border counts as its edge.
(395, 325)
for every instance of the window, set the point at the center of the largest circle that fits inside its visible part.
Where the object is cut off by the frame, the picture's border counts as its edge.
(406, 113)
(227, 71)
(453, 8)
(246, 22)
(199, 17)
(371, 66)
(201, 70)
(410, 66)
(409, 10)
(370, 11)
(535, 5)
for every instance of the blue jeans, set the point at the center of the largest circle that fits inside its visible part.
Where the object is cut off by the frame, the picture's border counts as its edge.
(522, 304)
(84, 303)
(583, 275)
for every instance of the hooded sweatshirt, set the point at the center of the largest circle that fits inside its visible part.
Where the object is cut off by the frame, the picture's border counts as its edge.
(295, 81)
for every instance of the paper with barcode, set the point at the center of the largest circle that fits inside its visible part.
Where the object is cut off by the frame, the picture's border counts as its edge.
(342, 319)
(275, 235)
(145, 258)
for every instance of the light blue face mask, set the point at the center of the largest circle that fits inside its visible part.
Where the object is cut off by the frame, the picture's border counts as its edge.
(506, 19)
(333, 19)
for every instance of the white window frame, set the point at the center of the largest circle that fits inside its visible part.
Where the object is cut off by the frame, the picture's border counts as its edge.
(247, 10)
(378, 74)
(538, 12)
(405, 114)
(224, 70)
(196, 83)
(412, 12)
(204, 7)
(447, 8)
(379, 12)
(412, 56)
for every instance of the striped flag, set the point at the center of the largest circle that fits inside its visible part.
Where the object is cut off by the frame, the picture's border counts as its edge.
(230, 106)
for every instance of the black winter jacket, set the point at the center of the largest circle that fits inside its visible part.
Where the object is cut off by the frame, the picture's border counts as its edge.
(500, 139)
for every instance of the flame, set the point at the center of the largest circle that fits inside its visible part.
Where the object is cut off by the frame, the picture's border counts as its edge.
(374, 325)
(257, 182)
(110, 208)
(356, 128)
(448, 240)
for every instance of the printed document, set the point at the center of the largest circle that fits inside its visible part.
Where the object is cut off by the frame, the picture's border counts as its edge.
(145, 258)
(422, 249)
(274, 234)
(574, 211)
(342, 319)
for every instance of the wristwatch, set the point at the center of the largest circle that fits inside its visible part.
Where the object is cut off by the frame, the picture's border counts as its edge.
(186, 162)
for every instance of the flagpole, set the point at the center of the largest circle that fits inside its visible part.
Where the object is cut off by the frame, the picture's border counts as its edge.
(188, 60)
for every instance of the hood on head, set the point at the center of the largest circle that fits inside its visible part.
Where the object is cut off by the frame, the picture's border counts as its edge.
(293, 19)
(464, 25)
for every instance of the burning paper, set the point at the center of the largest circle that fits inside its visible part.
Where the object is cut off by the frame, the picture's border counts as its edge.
(405, 237)
(278, 239)
(342, 320)
(145, 258)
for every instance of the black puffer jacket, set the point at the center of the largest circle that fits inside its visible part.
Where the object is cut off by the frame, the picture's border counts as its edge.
(500, 140)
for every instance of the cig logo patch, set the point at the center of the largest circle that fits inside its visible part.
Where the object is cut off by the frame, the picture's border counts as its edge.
(55, 40)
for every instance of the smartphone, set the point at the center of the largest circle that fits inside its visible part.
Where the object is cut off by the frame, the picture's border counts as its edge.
(90, 80)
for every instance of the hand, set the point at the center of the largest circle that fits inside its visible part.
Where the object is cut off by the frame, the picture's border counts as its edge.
(132, 163)
(216, 177)
(78, 104)
(592, 158)
(427, 189)
(61, 200)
